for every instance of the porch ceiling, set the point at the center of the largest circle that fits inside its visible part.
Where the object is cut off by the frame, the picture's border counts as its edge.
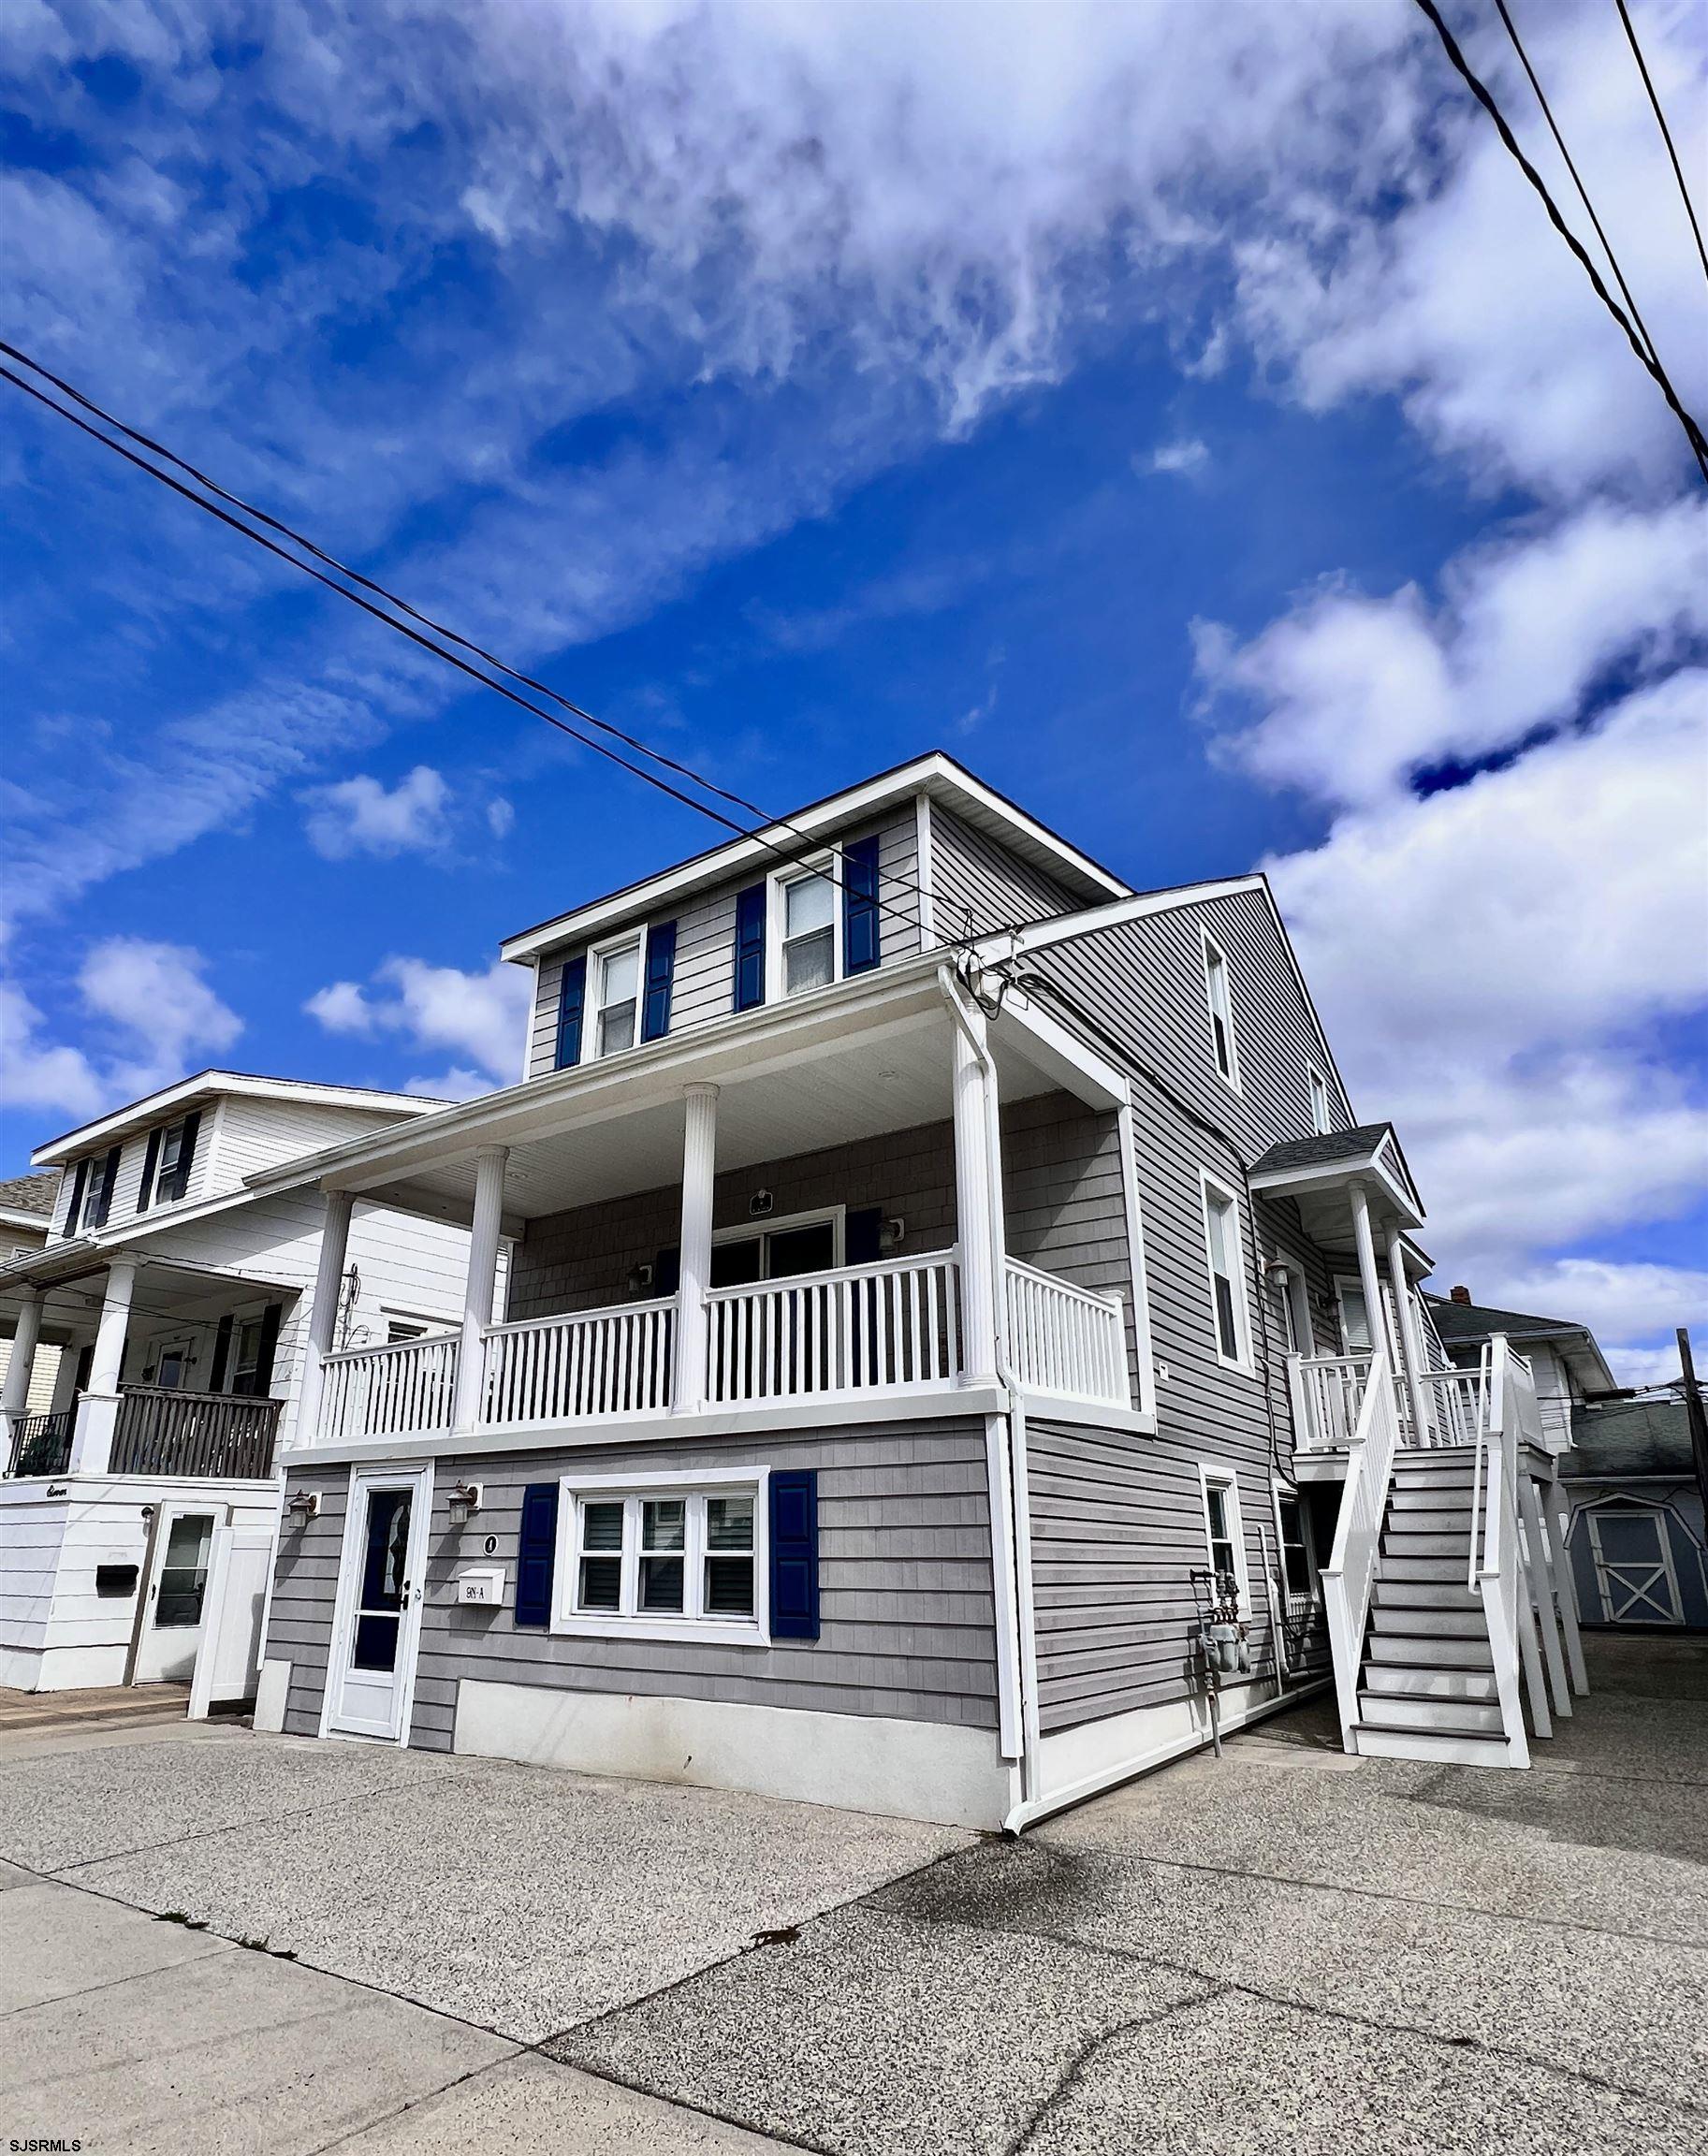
(891, 1077)
(163, 1295)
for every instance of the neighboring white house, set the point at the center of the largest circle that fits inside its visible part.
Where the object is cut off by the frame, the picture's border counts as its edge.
(172, 1295)
(1569, 1368)
(26, 1211)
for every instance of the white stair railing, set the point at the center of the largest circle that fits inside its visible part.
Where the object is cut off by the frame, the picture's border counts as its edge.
(1495, 1568)
(1066, 1339)
(1350, 1572)
(1328, 1395)
(892, 1327)
(387, 1392)
(1456, 1402)
(587, 1365)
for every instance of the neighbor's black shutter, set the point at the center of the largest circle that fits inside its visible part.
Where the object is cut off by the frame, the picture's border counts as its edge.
(222, 1354)
(110, 1175)
(75, 1211)
(151, 1159)
(660, 971)
(536, 1551)
(860, 1234)
(860, 906)
(794, 1553)
(270, 1348)
(572, 994)
(187, 1153)
(750, 947)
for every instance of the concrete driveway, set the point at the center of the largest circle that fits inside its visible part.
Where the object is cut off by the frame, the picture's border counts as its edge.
(1284, 1950)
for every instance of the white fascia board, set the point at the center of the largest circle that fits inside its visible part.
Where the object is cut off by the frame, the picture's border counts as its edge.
(1077, 1068)
(1094, 920)
(212, 1086)
(15, 1216)
(1325, 1174)
(728, 1049)
(938, 775)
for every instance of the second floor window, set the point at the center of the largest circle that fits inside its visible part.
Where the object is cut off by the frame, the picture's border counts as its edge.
(1221, 1014)
(1222, 1237)
(1319, 1103)
(808, 933)
(166, 1170)
(616, 997)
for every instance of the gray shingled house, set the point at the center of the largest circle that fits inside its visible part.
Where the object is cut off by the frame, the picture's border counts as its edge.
(941, 1280)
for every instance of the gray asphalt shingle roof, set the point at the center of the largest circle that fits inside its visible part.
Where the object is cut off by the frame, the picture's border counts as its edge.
(1475, 1321)
(1357, 1144)
(30, 1193)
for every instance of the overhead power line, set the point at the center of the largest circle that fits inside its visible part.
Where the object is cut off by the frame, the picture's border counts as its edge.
(424, 636)
(1693, 433)
(1665, 132)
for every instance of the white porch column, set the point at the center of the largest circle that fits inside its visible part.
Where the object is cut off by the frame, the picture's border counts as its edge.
(1405, 1325)
(15, 1394)
(323, 1313)
(98, 1411)
(1368, 1278)
(482, 1284)
(699, 1168)
(974, 1200)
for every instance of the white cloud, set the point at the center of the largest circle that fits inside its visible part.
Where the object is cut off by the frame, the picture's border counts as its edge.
(1639, 1368)
(457, 1084)
(359, 816)
(477, 1016)
(501, 818)
(1181, 458)
(1618, 1301)
(157, 992)
(37, 1074)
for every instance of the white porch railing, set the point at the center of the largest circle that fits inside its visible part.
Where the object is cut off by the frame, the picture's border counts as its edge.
(386, 1391)
(1328, 1393)
(1457, 1403)
(1351, 1571)
(893, 1327)
(583, 1367)
(1066, 1339)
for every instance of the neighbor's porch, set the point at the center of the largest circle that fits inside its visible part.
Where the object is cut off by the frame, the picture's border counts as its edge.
(841, 1212)
(166, 1369)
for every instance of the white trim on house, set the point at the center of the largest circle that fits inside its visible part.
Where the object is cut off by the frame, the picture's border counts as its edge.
(420, 1474)
(630, 1622)
(594, 1004)
(924, 871)
(935, 773)
(1213, 1190)
(212, 1086)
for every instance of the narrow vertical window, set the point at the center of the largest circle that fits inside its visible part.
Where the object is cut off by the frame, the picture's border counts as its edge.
(1221, 1238)
(1221, 1016)
(1224, 1535)
(1319, 1102)
(808, 933)
(616, 997)
(1295, 1551)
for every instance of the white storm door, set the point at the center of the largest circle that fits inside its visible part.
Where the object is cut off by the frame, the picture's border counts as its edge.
(371, 1680)
(172, 1612)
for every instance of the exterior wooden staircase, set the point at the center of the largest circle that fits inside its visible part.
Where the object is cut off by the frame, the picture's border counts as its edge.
(1450, 1611)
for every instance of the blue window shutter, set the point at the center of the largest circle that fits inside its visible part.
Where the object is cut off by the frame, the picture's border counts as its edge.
(660, 972)
(794, 1553)
(149, 1161)
(750, 947)
(572, 994)
(860, 906)
(536, 1553)
(668, 1270)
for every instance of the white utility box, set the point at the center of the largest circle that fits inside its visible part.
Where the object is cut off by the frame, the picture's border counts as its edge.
(482, 1585)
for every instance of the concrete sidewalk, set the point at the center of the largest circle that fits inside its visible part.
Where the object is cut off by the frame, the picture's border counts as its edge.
(1286, 1950)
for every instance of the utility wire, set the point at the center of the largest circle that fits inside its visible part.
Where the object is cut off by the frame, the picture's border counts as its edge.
(417, 636)
(1607, 246)
(1693, 433)
(1666, 133)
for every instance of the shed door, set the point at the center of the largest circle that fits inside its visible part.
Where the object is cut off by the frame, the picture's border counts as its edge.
(1634, 1567)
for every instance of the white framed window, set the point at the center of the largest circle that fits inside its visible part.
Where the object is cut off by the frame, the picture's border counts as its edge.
(1224, 1533)
(1229, 1324)
(615, 972)
(673, 1557)
(1223, 1046)
(1293, 1538)
(806, 926)
(173, 1164)
(1320, 1121)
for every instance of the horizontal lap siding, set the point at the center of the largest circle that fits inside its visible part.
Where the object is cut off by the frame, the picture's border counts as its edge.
(304, 1588)
(904, 1582)
(978, 885)
(702, 985)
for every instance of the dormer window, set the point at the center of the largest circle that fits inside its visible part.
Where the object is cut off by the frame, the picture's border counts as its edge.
(166, 1170)
(92, 1191)
(809, 932)
(616, 996)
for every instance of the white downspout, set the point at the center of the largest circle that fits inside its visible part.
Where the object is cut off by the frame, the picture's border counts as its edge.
(1017, 1553)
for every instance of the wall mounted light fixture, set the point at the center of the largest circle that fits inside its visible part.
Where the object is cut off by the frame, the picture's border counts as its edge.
(462, 1502)
(304, 1506)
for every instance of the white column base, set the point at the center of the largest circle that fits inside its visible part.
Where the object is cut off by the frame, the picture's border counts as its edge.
(93, 1432)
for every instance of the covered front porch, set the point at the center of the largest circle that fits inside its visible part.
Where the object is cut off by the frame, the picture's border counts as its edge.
(164, 1368)
(876, 1198)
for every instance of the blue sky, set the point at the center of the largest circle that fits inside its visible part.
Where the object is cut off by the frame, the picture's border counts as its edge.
(1184, 417)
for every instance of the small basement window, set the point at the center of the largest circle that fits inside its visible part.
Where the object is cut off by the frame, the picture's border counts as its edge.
(681, 1559)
